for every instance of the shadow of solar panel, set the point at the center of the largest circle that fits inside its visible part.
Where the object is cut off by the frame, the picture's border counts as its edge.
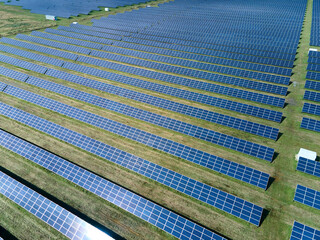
(312, 96)
(310, 124)
(54, 215)
(207, 194)
(215, 163)
(307, 196)
(312, 85)
(311, 109)
(309, 166)
(303, 232)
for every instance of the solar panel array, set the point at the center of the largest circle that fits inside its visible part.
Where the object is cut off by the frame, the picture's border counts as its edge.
(146, 210)
(66, 9)
(238, 93)
(311, 108)
(49, 212)
(307, 196)
(161, 66)
(315, 26)
(232, 169)
(309, 166)
(224, 140)
(213, 101)
(205, 193)
(304, 232)
(165, 52)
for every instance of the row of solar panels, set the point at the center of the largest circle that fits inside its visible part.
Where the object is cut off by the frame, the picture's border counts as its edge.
(144, 209)
(213, 101)
(315, 25)
(304, 232)
(311, 108)
(192, 188)
(210, 161)
(220, 139)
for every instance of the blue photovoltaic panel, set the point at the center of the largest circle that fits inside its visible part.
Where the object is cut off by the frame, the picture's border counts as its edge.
(312, 96)
(307, 196)
(182, 127)
(221, 165)
(2, 85)
(130, 202)
(207, 194)
(303, 232)
(57, 217)
(309, 166)
(311, 109)
(310, 124)
(312, 85)
(313, 75)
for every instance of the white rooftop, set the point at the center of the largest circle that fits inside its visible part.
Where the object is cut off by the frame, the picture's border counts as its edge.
(307, 154)
(313, 49)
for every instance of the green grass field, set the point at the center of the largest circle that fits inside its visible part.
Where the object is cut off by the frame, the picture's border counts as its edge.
(277, 200)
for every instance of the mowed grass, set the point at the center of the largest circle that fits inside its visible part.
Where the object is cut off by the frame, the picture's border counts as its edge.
(278, 199)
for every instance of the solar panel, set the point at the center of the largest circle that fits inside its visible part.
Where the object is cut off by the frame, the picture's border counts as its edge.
(303, 232)
(207, 194)
(312, 96)
(312, 85)
(311, 109)
(307, 196)
(49, 212)
(146, 210)
(220, 165)
(309, 166)
(310, 124)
